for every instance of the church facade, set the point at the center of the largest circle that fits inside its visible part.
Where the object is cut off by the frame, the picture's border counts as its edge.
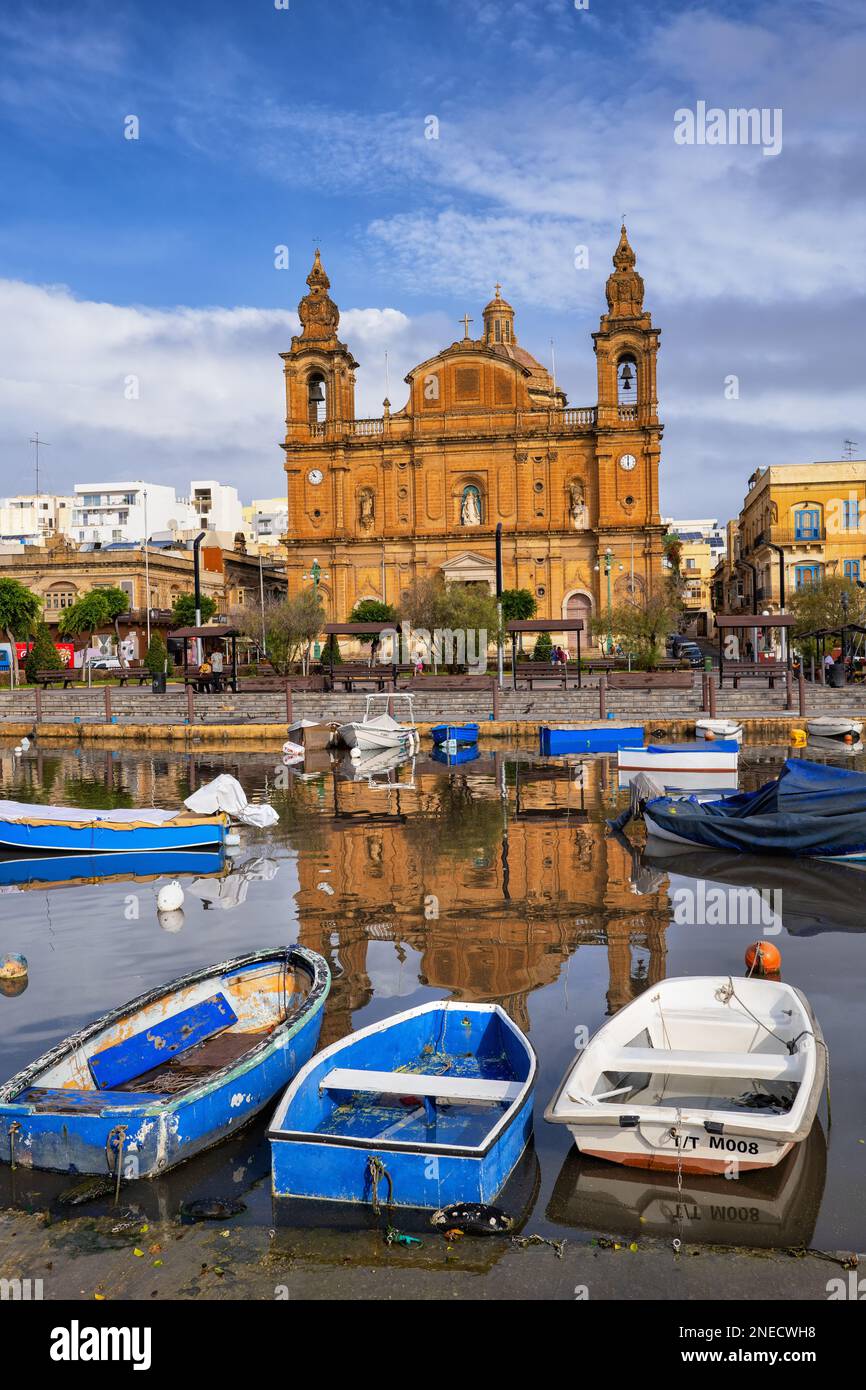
(485, 437)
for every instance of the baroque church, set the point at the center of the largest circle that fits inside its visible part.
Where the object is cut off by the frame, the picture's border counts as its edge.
(486, 436)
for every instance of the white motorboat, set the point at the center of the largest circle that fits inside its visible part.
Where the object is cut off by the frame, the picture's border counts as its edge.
(719, 728)
(834, 726)
(703, 1074)
(379, 730)
(700, 766)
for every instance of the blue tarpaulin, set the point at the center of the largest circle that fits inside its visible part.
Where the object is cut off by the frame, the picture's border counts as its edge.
(808, 809)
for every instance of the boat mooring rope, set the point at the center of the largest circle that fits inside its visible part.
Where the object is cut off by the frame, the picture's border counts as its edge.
(14, 1129)
(120, 1132)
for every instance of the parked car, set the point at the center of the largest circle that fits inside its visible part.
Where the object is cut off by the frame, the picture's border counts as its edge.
(690, 652)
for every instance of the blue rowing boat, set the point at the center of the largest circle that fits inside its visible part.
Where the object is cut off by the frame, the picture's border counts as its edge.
(606, 739)
(454, 733)
(169, 1074)
(77, 830)
(434, 1104)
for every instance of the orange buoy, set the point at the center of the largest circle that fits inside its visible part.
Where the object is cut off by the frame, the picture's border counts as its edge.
(709, 735)
(849, 738)
(763, 958)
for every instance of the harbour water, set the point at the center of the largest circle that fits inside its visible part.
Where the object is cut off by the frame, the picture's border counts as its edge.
(494, 880)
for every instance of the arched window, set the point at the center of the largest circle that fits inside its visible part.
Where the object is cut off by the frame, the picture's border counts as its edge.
(317, 401)
(626, 380)
(507, 331)
(497, 330)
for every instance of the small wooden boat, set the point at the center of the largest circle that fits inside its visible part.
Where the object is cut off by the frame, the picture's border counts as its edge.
(169, 1074)
(604, 739)
(75, 830)
(379, 730)
(719, 728)
(461, 734)
(834, 726)
(684, 766)
(695, 1075)
(430, 1107)
(809, 809)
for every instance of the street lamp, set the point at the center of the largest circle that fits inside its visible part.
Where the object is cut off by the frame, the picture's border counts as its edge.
(608, 567)
(316, 574)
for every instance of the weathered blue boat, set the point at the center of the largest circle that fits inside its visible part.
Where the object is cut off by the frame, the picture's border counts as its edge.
(60, 870)
(429, 1107)
(454, 733)
(809, 809)
(77, 830)
(169, 1074)
(605, 739)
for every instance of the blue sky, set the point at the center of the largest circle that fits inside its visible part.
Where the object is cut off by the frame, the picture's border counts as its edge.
(262, 126)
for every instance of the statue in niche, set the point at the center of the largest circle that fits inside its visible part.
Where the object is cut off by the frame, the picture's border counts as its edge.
(366, 508)
(577, 505)
(470, 509)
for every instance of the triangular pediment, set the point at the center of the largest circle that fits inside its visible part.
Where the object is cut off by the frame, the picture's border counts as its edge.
(469, 560)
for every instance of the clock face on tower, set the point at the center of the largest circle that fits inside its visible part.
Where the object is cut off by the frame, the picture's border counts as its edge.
(627, 461)
(315, 476)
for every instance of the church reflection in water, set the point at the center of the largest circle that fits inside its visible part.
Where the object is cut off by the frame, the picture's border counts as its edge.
(493, 873)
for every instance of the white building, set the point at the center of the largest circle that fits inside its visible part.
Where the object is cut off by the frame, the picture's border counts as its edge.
(267, 520)
(111, 512)
(35, 517)
(216, 507)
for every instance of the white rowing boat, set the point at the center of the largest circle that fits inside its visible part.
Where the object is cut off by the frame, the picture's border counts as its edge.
(699, 1075)
(719, 728)
(830, 726)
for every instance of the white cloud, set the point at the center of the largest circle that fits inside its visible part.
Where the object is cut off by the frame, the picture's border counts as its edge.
(210, 386)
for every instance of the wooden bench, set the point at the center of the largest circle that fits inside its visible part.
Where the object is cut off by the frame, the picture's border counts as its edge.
(142, 1052)
(533, 671)
(767, 670)
(758, 1066)
(68, 676)
(135, 672)
(412, 1083)
(352, 675)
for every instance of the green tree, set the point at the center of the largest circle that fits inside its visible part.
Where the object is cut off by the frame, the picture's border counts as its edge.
(372, 610)
(331, 651)
(156, 657)
(183, 610)
(431, 605)
(835, 602)
(99, 608)
(642, 627)
(43, 655)
(20, 611)
(518, 605)
(543, 647)
(290, 624)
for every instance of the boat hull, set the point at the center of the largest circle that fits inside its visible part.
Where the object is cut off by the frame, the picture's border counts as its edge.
(698, 1152)
(328, 1149)
(93, 838)
(555, 742)
(460, 734)
(83, 1137)
(421, 1178)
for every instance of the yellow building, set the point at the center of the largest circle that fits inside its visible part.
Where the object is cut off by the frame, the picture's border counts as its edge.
(485, 437)
(701, 545)
(799, 524)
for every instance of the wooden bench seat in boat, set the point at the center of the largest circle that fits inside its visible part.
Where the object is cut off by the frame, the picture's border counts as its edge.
(157, 1044)
(761, 1066)
(410, 1083)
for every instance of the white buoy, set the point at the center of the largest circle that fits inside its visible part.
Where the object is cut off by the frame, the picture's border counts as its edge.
(18, 750)
(355, 752)
(171, 921)
(170, 897)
